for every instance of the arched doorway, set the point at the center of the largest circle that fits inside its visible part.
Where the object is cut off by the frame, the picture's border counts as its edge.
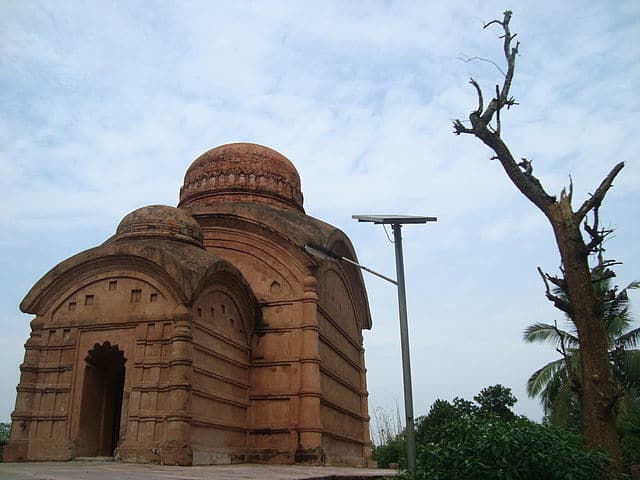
(101, 403)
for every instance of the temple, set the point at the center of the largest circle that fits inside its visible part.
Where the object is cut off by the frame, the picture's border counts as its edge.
(201, 334)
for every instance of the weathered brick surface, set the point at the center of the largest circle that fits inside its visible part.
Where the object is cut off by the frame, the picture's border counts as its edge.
(201, 334)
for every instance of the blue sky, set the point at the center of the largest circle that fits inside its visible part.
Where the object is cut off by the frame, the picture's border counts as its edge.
(104, 105)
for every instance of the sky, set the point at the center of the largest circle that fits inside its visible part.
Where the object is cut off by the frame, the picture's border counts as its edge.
(105, 104)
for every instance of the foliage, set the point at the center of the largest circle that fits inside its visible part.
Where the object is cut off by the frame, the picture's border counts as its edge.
(486, 440)
(496, 400)
(489, 447)
(629, 431)
(558, 382)
(393, 451)
(5, 430)
(389, 445)
(431, 426)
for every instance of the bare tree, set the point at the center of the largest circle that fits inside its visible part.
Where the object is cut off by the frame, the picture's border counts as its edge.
(597, 385)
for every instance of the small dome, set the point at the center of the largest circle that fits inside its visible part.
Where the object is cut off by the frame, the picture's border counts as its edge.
(242, 172)
(160, 221)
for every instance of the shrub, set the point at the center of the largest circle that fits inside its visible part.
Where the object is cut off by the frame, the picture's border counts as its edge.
(5, 429)
(492, 448)
(394, 451)
(629, 430)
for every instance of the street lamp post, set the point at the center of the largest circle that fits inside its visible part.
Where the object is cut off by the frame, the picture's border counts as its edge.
(396, 222)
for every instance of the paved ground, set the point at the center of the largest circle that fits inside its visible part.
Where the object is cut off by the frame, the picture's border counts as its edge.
(129, 471)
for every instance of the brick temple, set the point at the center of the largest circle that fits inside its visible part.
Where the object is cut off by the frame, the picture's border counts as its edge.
(201, 334)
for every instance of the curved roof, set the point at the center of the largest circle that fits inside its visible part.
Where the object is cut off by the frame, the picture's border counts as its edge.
(242, 172)
(182, 267)
(160, 221)
(295, 227)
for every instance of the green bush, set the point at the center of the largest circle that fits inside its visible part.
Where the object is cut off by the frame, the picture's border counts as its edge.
(629, 431)
(394, 451)
(432, 426)
(486, 440)
(491, 448)
(5, 430)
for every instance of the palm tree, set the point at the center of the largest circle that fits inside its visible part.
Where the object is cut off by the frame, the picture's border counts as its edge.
(557, 383)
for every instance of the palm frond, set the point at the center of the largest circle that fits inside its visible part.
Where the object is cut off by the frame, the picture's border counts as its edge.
(561, 405)
(617, 312)
(616, 325)
(540, 332)
(552, 390)
(554, 382)
(541, 377)
(544, 332)
(631, 339)
(633, 285)
(632, 368)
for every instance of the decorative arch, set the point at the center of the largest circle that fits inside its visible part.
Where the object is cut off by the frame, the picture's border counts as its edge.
(336, 299)
(271, 242)
(46, 294)
(224, 316)
(111, 295)
(101, 403)
(354, 281)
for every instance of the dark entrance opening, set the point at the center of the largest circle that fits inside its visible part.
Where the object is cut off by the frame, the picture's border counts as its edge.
(101, 403)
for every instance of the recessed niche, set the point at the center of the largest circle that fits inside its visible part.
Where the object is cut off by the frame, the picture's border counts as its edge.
(136, 295)
(275, 288)
(113, 285)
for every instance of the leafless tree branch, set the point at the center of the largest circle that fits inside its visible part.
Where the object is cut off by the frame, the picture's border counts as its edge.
(561, 283)
(601, 191)
(598, 235)
(498, 124)
(466, 59)
(526, 166)
(560, 303)
(481, 127)
(562, 350)
(459, 128)
(603, 275)
(480, 99)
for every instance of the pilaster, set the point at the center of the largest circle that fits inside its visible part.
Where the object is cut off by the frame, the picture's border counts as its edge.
(177, 449)
(310, 427)
(18, 446)
(364, 411)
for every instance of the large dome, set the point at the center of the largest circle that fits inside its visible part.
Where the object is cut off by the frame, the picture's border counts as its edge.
(160, 221)
(242, 172)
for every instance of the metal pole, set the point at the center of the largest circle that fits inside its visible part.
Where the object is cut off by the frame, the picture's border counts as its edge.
(366, 269)
(404, 344)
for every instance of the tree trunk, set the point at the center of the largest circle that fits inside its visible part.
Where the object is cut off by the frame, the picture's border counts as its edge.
(598, 388)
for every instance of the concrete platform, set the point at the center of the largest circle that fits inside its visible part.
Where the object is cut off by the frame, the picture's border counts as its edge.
(132, 471)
